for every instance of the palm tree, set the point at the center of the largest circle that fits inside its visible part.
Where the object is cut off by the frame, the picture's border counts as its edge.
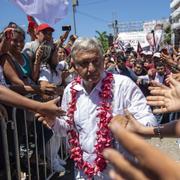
(103, 38)
(167, 35)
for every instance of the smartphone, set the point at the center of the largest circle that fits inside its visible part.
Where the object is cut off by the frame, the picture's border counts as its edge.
(66, 28)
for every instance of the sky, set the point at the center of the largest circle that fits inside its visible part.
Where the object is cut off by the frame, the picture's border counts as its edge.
(94, 15)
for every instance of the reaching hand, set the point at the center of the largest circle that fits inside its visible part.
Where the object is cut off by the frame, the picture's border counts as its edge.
(165, 99)
(50, 109)
(46, 121)
(49, 89)
(5, 40)
(167, 58)
(151, 164)
(176, 76)
(130, 123)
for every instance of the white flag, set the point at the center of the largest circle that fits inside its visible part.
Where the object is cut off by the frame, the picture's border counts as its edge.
(49, 11)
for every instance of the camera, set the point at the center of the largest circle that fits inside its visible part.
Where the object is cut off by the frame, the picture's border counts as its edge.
(66, 28)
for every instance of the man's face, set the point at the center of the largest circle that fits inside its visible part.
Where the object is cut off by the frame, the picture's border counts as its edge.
(150, 39)
(106, 61)
(89, 65)
(131, 61)
(148, 58)
(120, 64)
(45, 35)
(160, 70)
(138, 69)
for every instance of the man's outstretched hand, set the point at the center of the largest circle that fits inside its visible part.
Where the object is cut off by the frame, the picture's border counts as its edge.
(151, 163)
(50, 109)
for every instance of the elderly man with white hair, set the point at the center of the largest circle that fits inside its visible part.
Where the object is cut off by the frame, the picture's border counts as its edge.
(91, 100)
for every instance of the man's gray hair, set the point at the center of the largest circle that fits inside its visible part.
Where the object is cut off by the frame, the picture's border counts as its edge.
(86, 44)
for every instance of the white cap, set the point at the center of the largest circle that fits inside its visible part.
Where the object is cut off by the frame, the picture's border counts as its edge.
(143, 52)
(149, 53)
(157, 54)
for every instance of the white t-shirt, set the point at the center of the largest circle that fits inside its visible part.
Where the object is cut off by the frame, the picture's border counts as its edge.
(159, 78)
(62, 66)
(50, 76)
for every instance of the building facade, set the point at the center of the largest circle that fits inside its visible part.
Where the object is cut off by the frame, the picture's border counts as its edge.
(175, 21)
(134, 32)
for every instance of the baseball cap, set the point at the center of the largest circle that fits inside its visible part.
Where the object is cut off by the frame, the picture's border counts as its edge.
(157, 54)
(44, 26)
(143, 52)
(149, 53)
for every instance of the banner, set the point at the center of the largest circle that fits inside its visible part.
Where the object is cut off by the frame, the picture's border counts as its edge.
(139, 48)
(49, 11)
(159, 38)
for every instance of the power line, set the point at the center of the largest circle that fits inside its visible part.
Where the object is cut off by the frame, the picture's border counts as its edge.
(93, 2)
(91, 16)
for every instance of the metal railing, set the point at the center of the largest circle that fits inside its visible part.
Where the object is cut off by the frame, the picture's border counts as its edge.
(30, 158)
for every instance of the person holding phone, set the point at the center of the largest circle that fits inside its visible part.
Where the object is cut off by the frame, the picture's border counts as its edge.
(43, 37)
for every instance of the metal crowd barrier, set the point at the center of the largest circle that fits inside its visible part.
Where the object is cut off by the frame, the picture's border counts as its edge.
(26, 161)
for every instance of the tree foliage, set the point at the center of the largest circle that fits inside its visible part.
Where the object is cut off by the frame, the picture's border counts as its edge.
(103, 38)
(167, 35)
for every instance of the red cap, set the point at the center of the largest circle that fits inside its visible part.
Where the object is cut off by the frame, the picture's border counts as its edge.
(44, 26)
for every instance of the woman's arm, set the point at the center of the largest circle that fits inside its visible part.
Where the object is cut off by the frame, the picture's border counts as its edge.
(34, 89)
(49, 109)
(171, 129)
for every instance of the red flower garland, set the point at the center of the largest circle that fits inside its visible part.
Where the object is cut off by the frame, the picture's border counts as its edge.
(103, 134)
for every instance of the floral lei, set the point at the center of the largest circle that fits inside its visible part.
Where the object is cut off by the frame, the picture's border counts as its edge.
(104, 138)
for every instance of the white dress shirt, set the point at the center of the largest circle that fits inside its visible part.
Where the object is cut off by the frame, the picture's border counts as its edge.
(126, 94)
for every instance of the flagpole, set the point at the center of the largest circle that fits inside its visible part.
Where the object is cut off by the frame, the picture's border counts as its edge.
(154, 48)
(74, 4)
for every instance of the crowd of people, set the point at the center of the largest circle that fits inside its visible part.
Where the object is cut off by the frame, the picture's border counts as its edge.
(87, 94)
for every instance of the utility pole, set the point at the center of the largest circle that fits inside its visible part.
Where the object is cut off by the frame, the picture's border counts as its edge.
(74, 4)
(114, 26)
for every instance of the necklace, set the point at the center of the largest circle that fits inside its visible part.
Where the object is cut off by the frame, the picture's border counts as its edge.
(103, 139)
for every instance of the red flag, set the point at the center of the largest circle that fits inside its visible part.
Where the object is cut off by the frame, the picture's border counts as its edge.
(139, 48)
(32, 24)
